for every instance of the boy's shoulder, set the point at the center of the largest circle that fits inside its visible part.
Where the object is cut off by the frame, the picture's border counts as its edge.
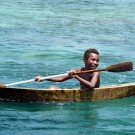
(79, 69)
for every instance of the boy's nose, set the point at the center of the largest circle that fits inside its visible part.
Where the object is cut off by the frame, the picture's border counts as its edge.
(95, 62)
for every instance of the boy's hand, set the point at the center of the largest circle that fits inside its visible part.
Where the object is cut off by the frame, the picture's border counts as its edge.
(37, 79)
(71, 73)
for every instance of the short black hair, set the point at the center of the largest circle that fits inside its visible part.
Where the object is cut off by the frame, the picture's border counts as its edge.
(88, 51)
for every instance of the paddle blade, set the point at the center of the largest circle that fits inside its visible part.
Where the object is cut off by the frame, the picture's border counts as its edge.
(121, 67)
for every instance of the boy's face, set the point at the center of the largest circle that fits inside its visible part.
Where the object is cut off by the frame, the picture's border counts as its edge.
(92, 61)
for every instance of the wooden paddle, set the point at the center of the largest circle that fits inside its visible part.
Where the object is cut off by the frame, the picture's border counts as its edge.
(119, 67)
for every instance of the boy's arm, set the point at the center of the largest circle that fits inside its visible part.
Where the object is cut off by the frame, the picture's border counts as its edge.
(92, 82)
(56, 79)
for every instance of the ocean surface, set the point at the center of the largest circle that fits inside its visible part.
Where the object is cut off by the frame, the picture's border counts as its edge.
(49, 37)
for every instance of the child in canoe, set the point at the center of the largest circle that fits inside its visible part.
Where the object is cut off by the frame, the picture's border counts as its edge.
(87, 80)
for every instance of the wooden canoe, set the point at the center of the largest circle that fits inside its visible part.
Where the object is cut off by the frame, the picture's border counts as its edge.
(68, 95)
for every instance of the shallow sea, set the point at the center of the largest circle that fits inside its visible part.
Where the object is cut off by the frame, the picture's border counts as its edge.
(43, 37)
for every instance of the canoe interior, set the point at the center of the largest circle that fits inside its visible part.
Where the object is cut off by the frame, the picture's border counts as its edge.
(44, 95)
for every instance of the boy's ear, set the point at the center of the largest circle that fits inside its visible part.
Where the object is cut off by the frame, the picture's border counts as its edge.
(84, 59)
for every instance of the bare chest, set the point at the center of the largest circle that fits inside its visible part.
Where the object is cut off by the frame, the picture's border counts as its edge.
(86, 76)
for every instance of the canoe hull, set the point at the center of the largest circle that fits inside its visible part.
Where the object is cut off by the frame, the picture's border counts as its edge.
(44, 95)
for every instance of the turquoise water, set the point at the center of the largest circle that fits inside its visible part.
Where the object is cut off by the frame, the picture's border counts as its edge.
(49, 37)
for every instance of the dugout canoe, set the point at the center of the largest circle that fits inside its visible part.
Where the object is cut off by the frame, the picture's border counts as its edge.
(68, 95)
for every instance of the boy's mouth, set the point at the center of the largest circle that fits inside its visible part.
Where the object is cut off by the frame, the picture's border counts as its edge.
(93, 67)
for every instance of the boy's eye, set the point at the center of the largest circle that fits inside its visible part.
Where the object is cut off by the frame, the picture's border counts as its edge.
(97, 60)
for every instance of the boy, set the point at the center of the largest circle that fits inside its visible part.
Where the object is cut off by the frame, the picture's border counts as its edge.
(87, 80)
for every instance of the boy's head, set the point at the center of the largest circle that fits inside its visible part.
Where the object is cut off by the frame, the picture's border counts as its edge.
(88, 51)
(91, 58)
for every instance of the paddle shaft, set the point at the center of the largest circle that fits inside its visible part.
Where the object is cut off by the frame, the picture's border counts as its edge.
(31, 80)
(90, 71)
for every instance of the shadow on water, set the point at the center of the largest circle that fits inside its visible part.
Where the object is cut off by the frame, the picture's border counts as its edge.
(48, 106)
(74, 117)
(74, 106)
